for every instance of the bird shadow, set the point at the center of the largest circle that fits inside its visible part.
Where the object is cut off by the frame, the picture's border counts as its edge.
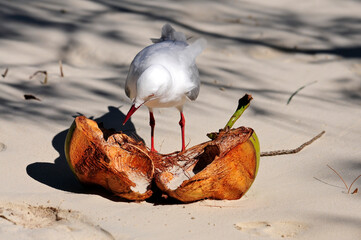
(58, 175)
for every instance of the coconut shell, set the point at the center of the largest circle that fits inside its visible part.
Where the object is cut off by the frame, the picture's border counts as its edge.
(118, 163)
(223, 168)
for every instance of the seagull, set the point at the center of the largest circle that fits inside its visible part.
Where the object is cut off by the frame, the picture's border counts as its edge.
(164, 75)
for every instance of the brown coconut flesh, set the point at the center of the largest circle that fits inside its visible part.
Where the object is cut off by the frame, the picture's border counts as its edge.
(223, 168)
(118, 163)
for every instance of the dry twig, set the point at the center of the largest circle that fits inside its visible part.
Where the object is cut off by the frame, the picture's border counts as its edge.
(61, 68)
(43, 72)
(291, 151)
(347, 187)
(5, 73)
(293, 94)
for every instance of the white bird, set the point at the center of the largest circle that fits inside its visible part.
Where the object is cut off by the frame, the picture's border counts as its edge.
(163, 75)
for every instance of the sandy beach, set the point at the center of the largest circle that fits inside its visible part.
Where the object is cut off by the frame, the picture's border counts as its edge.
(269, 49)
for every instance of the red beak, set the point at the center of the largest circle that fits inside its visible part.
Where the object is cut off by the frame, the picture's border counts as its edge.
(130, 113)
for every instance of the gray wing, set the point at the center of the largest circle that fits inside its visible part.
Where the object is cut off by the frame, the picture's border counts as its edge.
(131, 82)
(192, 51)
(193, 94)
(127, 91)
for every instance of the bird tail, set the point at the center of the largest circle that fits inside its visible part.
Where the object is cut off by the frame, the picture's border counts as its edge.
(169, 34)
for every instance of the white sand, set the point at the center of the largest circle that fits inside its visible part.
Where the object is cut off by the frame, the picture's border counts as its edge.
(295, 196)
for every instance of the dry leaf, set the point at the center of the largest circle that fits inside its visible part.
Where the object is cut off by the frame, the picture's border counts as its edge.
(31, 97)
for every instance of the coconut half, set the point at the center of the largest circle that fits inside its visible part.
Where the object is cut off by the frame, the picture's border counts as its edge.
(116, 162)
(223, 168)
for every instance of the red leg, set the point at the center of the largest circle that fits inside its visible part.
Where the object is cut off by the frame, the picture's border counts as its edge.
(152, 124)
(182, 122)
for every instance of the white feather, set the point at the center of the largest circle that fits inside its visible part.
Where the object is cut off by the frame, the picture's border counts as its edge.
(164, 74)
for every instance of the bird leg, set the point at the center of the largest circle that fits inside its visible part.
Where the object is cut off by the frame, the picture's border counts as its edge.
(152, 124)
(182, 122)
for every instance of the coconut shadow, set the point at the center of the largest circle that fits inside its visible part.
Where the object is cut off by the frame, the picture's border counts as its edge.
(58, 175)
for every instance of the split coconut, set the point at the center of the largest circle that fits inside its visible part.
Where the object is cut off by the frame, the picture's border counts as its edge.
(223, 168)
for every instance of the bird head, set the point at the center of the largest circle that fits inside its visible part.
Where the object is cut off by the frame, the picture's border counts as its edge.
(152, 84)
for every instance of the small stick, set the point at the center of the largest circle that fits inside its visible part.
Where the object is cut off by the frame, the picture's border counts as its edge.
(338, 175)
(348, 188)
(293, 94)
(291, 151)
(43, 72)
(5, 73)
(324, 182)
(7, 219)
(61, 68)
